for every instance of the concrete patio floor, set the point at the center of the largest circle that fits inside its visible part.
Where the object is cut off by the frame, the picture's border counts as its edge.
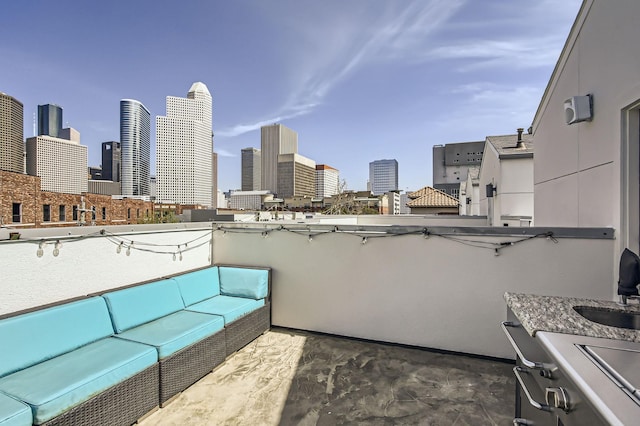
(289, 377)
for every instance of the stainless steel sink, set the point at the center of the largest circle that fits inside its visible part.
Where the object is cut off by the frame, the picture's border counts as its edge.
(613, 318)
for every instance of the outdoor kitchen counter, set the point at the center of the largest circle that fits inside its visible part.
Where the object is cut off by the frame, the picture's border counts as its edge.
(555, 314)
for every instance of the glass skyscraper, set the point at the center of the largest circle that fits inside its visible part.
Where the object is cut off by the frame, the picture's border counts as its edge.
(383, 176)
(135, 147)
(49, 120)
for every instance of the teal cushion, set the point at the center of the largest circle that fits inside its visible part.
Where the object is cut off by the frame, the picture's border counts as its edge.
(34, 337)
(143, 303)
(13, 412)
(56, 385)
(231, 308)
(176, 331)
(199, 285)
(244, 282)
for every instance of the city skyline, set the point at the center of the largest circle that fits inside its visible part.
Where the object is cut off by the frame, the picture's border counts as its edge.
(376, 80)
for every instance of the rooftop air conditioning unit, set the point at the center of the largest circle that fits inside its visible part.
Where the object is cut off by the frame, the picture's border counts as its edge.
(578, 108)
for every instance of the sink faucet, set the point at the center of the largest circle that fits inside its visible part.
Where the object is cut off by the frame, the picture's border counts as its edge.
(629, 276)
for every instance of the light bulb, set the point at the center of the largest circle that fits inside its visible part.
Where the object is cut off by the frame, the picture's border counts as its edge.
(128, 252)
(119, 248)
(56, 248)
(364, 240)
(40, 251)
(310, 238)
(180, 257)
(174, 257)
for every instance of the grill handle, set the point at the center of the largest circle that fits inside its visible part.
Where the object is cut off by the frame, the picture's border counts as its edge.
(517, 370)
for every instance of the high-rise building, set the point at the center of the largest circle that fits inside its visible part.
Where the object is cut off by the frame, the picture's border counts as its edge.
(275, 140)
(383, 176)
(251, 169)
(296, 176)
(11, 134)
(135, 147)
(60, 163)
(214, 180)
(451, 163)
(111, 157)
(49, 120)
(327, 181)
(184, 148)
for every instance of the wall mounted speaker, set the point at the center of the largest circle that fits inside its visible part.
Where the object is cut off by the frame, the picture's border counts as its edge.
(578, 108)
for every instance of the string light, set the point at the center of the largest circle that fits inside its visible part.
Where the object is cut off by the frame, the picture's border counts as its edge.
(128, 253)
(364, 240)
(56, 248)
(180, 256)
(310, 238)
(40, 251)
(119, 247)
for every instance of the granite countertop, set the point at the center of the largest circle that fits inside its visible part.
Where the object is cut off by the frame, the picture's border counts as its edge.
(555, 314)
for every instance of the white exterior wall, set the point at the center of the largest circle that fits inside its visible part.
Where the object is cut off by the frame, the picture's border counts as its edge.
(315, 289)
(516, 188)
(581, 169)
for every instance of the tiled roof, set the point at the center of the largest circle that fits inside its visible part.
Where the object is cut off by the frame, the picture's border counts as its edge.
(430, 197)
(506, 145)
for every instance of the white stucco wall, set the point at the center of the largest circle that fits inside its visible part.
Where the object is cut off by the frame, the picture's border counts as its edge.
(578, 167)
(516, 187)
(89, 265)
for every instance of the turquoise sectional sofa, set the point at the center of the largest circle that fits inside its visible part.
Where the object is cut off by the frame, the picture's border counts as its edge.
(112, 357)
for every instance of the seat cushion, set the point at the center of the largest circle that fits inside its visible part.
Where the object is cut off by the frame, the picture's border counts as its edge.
(231, 308)
(56, 385)
(176, 331)
(37, 336)
(244, 282)
(14, 412)
(137, 305)
(198, 285)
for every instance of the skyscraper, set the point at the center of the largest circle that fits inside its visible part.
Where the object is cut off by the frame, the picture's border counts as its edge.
(111, 158)
(383, 176)
(60, 163)
(49, 120)
(135, 147)
(11, 134)
(275, 140)
(327, 181)
(251, 169)
(184, 148)
(296, 176)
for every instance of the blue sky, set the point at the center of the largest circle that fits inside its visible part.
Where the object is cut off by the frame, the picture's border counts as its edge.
(359, 80)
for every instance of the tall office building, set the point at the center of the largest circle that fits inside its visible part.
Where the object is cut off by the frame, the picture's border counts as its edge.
(251, 169)
(49, 120)
(135, 147)
(327, 181)
(296, 176)
(275, 140)
(383, 176)
(184, 149)
(11, 134)
(111, 157)
(60, 163)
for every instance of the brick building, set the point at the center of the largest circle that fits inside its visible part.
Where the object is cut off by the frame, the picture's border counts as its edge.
(24, 205)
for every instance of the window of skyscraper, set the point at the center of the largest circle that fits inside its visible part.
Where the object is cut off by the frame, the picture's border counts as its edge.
(62, 213)
(46, 212)
(75, 212)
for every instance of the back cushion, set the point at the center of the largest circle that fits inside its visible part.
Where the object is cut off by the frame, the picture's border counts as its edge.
(244, 282)
(41, 335)
(138, 305)
(199, 285)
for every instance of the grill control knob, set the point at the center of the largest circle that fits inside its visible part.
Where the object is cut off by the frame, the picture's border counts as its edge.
(558, 398)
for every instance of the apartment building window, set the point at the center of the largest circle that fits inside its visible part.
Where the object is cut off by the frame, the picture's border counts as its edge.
(455, 192)
(129, 213)
(62, 217)
(137, 213)
(46, 212)
(16, 215)
(75, 213)
(93, 213)
(104, 213)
